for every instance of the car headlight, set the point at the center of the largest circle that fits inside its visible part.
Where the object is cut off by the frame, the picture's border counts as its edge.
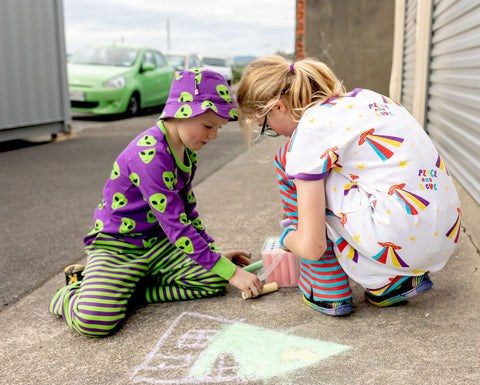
(117, 82)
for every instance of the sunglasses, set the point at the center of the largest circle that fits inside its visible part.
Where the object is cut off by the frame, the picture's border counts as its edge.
(267, 131)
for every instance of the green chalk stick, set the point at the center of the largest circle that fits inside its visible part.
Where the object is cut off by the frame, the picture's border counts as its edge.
(254, 266)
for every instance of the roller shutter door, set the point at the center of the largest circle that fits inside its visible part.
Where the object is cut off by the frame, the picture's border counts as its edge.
(453, 100)
(408, 65)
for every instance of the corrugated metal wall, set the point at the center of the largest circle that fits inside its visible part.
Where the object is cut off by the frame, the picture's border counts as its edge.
(408, 65)
(453, 92)
(33, 80)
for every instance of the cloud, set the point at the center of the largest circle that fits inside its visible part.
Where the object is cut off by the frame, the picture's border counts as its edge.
(234, 27)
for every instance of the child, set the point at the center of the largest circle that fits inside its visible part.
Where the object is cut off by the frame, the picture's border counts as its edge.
(368, 196)
(147, 235)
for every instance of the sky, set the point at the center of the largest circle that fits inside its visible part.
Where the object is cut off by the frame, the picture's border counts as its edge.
(216, 27)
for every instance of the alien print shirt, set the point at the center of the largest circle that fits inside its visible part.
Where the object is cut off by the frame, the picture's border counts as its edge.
(149, 197)
(392, 207)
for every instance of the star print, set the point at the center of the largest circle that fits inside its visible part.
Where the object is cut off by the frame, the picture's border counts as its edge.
(349, 128)
(311, 120)
(350, 106)
(412, 238)
(361, 166)
(357, 238)
(403, 164)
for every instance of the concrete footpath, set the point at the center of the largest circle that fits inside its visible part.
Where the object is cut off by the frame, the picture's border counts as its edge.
(274, 339)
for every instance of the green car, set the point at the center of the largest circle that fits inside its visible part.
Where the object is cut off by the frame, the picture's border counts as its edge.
(117, 79)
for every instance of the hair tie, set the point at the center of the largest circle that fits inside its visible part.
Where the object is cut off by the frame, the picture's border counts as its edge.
(291, 69)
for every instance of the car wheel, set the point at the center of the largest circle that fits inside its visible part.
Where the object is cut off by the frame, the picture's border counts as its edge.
(133, 105)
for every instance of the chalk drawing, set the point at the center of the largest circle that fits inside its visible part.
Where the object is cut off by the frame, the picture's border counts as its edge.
(220, 350)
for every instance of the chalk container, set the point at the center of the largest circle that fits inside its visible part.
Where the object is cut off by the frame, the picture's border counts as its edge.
(279, 266)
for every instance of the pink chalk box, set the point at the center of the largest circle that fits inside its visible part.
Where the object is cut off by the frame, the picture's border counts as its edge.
(279, 266)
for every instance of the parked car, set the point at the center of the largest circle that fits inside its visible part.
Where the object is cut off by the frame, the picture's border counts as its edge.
(183, 61)
(220, 65)
(118, 79)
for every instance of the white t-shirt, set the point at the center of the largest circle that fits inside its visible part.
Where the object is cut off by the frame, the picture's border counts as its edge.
(392, 207)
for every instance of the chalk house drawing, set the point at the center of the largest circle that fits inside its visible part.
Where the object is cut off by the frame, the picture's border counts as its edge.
(219, 350)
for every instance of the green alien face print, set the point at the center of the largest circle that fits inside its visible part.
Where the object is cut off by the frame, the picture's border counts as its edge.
(147, 155)
(224, 92)
(147, 140)
(184, 219)
(158, 202)
(151, 217)
(233, 113)
(127, 226)
(135, 179)
(102, 204)
(185, 97)
(214, 248)
(184, 111)
(190, 197)
(208, 104)
(198, 224)
(168, 179)
(97, 228)
(115, 172)
(119, 200)
(149, 242)
(184, 244)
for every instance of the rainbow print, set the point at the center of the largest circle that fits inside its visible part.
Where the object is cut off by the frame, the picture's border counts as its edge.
(455, 229)
(412, 202)
(332, 102)
(389, 249)
(331, 156)
(441, 165)
(378, 142)
(342, 217)
(390, 101)
(349, 187)
(352, 253)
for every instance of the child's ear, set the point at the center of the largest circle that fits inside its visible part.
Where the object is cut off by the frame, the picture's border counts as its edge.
(281, 106)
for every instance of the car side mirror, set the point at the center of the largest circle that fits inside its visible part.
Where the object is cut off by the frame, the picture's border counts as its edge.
(148, 67)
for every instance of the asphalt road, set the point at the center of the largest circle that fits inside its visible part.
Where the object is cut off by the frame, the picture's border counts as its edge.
(49, 192)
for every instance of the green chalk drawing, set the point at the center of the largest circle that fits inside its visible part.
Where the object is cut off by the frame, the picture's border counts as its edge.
(262, 353)
(202, 349)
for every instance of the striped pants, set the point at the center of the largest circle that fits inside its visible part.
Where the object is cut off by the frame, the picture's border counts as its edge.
(322, 280)
(97, 305)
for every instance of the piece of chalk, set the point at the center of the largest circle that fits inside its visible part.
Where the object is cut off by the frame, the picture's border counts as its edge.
(267, 288)
(253, 266)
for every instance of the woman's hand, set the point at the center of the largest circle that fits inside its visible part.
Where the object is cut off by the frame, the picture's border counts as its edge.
(238, 257)
(247, 282)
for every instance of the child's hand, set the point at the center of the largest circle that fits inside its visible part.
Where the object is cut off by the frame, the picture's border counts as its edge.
(238, 257)
(247, 282)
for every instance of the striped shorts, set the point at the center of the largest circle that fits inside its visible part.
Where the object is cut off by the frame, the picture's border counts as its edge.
(322, 280)
(117, 270)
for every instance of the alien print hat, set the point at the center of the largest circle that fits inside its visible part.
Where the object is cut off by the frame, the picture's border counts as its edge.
(197, 90)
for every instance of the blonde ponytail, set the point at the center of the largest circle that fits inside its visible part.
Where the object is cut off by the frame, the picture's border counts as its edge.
(267, 79)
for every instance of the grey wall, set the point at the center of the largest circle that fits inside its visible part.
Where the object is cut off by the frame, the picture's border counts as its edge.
(33, 80)
(353, 37)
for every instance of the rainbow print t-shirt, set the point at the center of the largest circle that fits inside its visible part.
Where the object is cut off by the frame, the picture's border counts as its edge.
(389, 195)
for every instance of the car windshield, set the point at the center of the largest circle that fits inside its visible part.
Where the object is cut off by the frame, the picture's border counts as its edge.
(177, 61)
(213, 61)
(109, 56)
